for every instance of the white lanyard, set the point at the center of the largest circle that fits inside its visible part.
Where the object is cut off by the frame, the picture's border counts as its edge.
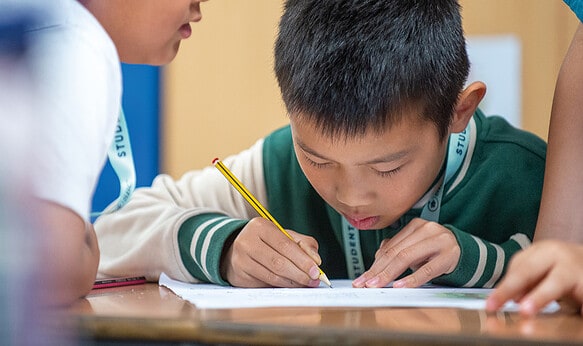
(457, 149)
(122, 161)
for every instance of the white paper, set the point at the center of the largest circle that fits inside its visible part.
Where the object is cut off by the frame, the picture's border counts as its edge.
(209, 296)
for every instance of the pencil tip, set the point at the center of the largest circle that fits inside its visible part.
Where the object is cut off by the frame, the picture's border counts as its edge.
(324, 278)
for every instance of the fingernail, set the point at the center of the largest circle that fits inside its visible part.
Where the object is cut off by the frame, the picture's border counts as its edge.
(314, 283)
(527, 307)
(372, 282)
(399, 284)
(314, 273)
(358, 282)
(491, 304)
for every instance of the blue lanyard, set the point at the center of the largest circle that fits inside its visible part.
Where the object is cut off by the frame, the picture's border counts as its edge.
(122, 161)
(457, 150)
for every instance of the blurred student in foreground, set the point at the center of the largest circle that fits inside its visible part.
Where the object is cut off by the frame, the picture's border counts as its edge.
(80, 45)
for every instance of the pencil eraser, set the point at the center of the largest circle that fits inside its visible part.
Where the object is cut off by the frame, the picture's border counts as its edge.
(215, 160)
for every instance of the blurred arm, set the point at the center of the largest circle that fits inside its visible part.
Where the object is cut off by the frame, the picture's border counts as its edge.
(560, 216)
(69, 256)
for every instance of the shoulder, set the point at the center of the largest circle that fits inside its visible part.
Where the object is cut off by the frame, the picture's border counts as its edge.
(502, 158)
(66, 22)
(70, 45)
(497, 137)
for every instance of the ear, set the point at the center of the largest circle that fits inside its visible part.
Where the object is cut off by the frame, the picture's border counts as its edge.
(467, 103)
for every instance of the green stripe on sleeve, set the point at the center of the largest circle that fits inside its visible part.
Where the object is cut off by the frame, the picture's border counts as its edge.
(201, 240)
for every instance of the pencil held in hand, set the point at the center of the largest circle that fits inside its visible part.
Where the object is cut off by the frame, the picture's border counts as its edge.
(257, 206)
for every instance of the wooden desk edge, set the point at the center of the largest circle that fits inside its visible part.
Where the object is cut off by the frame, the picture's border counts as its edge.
(192, 326)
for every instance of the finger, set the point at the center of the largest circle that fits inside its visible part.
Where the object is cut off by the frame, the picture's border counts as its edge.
(308, 244)
(265, 265)
(510, 288)
(281, 271)
(274, 279)
(435, 255)
(254, 254)
(406, 237)
(289, 260)
(243, 279)
(408, 230)
(428, 271)
(241, 270)
(547, 291)
(417, 231)
(391, 257)
(517, 281)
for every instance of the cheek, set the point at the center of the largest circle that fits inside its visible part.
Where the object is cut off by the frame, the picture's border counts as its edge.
(415, 184)
(320, 181)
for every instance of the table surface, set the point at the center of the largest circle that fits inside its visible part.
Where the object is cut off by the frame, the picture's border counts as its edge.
(148, 312)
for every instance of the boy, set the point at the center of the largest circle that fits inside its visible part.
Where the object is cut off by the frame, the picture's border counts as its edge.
(78, 48)
(383, 138)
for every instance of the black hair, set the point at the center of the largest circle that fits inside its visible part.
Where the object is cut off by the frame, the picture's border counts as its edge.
(355, 65)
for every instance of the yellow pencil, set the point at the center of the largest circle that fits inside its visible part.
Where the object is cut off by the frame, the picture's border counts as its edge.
(257, 206)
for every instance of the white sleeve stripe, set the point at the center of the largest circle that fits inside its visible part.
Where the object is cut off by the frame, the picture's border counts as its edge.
(483, 257)
(500, 256)
(195, 240)
(522, 240)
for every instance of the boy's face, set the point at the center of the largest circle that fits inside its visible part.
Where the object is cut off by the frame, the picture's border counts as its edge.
(373, 179)
(146, 31)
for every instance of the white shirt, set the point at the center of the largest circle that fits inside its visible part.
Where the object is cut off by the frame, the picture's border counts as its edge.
(79, 80)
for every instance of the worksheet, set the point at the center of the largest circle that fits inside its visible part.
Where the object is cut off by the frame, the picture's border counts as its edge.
(342, 294)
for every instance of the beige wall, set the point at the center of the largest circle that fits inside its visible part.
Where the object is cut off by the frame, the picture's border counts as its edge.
(220, 94)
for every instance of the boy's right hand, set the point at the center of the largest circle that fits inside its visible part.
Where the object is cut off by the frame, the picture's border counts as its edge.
(262, 256)
(546, 271)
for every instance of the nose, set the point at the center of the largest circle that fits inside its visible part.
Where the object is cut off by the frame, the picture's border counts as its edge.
(353, 191)
(196, 13)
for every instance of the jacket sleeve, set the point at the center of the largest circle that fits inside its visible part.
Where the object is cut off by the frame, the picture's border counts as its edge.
(482, 263)
(179, 227)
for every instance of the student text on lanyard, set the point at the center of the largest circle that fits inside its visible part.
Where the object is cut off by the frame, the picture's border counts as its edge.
(457, 149)
(122, 161)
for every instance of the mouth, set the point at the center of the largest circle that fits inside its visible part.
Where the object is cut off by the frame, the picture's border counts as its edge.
(185, 31)
(362, 223)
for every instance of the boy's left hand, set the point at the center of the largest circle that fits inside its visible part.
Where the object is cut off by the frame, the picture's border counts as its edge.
(426, 247)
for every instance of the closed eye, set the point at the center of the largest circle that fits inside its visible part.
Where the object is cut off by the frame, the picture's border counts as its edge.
(316, 164)
(389, 173)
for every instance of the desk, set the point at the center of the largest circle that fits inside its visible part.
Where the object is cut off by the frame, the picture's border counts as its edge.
(149, 313)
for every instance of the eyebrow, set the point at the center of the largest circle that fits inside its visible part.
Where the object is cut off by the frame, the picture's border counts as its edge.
(382, 159)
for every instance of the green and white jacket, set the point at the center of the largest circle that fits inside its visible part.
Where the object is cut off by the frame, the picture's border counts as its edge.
(180, 227)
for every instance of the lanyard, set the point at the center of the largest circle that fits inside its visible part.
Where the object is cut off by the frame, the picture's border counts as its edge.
(457, 149)
(122, 161)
